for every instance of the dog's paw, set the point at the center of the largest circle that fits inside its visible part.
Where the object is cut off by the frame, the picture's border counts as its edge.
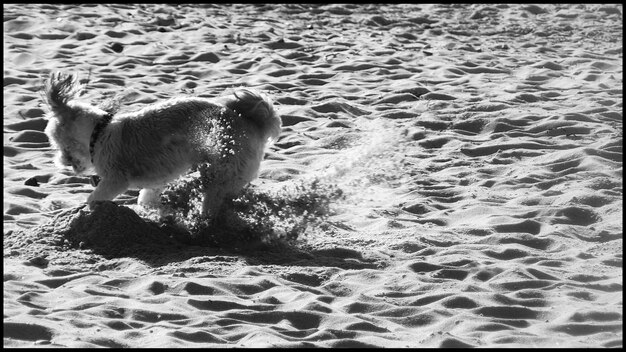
(91, 205)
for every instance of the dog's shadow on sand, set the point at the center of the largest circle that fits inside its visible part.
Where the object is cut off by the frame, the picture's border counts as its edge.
(116, 231)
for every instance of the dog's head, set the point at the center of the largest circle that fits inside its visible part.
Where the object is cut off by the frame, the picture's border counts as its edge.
(72, 149)
(70, 122)
(255, 107)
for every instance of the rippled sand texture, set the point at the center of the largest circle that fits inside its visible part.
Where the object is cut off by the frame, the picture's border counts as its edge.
(479, 148)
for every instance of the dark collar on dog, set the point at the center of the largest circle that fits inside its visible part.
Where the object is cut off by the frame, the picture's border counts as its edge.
(104, 121)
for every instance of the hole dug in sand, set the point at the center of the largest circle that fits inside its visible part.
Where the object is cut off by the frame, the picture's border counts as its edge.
(253, 217)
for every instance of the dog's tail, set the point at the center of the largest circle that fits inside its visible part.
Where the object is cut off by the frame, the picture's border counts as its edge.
(62, 88)
(259, 109)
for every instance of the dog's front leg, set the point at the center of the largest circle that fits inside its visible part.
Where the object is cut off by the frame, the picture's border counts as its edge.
(212, 203)
(106, 190)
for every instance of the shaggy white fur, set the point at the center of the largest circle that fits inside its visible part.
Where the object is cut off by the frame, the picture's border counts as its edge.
(155, 145)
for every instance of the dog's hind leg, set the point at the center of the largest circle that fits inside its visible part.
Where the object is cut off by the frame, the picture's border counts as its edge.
(106, 190)
(150, 197)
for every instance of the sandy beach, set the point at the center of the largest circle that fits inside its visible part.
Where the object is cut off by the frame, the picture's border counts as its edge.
(446, 176)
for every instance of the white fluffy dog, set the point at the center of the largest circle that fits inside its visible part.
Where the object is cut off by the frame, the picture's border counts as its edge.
(155, 145)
